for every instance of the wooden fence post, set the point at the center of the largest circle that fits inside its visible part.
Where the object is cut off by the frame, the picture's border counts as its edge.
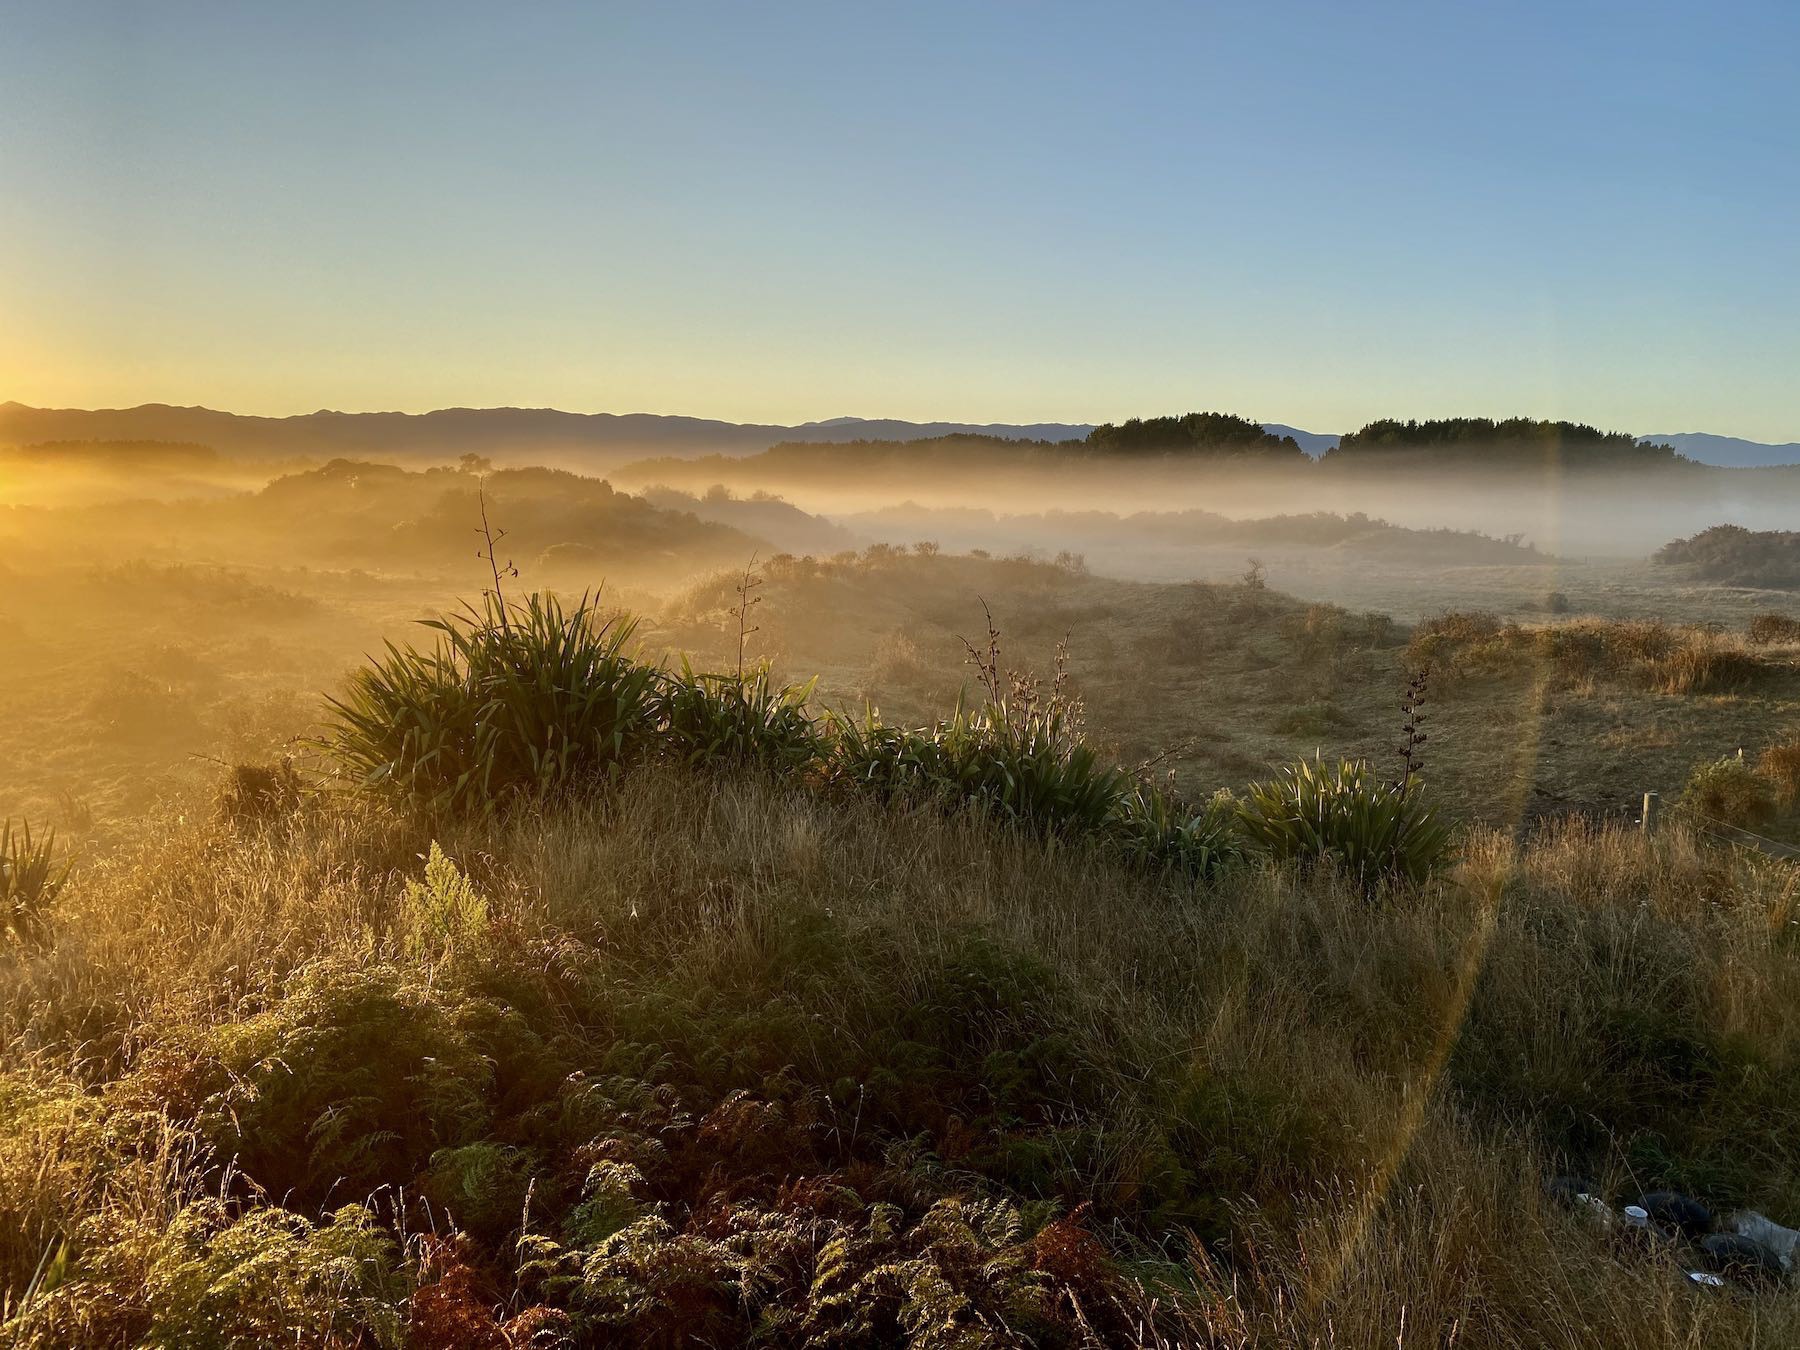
(1651, 802)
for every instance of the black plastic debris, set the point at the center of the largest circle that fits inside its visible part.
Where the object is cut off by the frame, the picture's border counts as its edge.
(1676, 1214)
(1742, 1259)
(1783, 1241)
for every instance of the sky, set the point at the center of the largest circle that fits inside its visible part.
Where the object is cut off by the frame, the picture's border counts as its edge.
(1310, 213)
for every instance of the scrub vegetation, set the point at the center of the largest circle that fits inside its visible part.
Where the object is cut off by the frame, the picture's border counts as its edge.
(873, 1040)
(868, 943)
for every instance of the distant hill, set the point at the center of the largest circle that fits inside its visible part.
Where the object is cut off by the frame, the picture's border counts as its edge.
(1204, 435)
(1315, 443)
(888, 429)
(1730, 451)
(519, 434)
(510, 434)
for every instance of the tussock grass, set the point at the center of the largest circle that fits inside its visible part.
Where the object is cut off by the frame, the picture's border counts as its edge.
(1644, 654)
(512, 700)
(1780, 765)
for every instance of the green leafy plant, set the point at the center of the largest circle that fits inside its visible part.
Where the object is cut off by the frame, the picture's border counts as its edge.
(513, 700)
(1313, 811)
(1021, 756)
(737, 719)
(354, 1078)
(442, 910)
(1027, 771)
(30, 880)
(1158, 832)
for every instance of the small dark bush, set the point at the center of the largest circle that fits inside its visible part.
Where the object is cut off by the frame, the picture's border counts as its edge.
(260, 792)
(1769, 630)
(1310, 719)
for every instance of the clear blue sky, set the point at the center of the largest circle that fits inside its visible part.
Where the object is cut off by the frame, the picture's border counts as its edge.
(1315, 213)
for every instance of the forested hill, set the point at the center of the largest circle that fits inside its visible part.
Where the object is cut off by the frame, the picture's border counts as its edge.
(1197, 433)
(1208, 438)
(1483, 441)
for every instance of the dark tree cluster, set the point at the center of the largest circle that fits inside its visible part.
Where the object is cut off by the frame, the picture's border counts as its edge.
(1511, 438)
(1738, 557)
(1206, 433)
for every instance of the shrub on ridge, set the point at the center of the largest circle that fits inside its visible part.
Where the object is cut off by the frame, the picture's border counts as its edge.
(513, 698)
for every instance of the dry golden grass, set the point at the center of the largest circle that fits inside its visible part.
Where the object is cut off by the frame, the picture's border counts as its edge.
(1366, 1097)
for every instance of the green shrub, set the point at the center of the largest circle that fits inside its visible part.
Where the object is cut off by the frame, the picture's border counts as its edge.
(29, 880)
(1737, 556)
(1314, 811)
(513, 700)
(1158, 833)
(1731, 791)
(350, 1081)
(211, 1279)
(735, 720)
(481, 1188)
(1031, 770)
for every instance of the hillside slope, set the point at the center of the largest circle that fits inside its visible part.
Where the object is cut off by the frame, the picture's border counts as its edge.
(717, 1062)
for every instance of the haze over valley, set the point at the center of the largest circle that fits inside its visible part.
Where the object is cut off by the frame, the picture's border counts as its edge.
(1252, 802)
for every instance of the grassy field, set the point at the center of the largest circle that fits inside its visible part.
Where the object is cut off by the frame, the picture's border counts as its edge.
(1218, 682)
(741, 1041)
(132, 681)
(709, 1060)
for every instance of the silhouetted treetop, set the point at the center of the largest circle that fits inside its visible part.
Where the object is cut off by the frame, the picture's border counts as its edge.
(1207, 433)
(1500, 441)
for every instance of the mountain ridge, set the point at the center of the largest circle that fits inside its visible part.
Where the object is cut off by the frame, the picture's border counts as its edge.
(1730, 451)
(602, 437)
(503, 431)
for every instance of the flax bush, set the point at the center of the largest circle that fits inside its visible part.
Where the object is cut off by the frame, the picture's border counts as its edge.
(512, 700)
(30, 879)
(1313, 812)
(737, 720)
